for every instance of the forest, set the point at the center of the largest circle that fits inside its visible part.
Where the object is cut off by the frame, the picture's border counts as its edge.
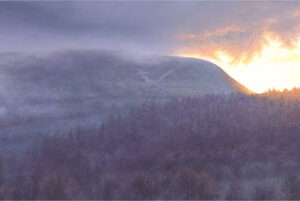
(209, 147)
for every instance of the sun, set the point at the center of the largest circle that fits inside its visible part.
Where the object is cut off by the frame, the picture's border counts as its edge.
(277, 67)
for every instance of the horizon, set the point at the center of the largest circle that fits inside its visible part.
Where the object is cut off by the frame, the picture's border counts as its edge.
(257, 43)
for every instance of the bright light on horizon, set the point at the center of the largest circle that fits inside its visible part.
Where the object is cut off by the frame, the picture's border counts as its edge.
(277, 67)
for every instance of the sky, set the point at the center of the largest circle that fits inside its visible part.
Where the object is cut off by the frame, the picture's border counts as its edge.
(255, 42)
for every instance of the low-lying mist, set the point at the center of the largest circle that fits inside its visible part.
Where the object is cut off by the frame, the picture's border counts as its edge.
(208, 147)
(80, 88)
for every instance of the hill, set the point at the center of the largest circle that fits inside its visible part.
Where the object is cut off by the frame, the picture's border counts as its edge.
(80, 88)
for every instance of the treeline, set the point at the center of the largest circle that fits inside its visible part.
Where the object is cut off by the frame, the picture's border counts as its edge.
(210, 147)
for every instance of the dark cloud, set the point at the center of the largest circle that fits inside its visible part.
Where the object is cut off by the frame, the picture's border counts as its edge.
(238, 28)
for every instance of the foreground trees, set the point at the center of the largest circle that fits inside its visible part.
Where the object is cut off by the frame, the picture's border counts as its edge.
(211, 147)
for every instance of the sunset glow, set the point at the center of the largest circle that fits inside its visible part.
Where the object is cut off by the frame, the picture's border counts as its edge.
(277, 66)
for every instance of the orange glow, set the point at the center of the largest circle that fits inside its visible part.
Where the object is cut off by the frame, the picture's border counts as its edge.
(275, 66)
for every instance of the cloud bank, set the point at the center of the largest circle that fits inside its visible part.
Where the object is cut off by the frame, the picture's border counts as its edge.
(239, 29)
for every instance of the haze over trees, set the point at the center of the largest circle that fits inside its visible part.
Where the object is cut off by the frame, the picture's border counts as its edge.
(233, 146)
(106, 100)
(81, 88)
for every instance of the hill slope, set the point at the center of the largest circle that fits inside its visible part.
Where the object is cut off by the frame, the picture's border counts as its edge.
(83, 85)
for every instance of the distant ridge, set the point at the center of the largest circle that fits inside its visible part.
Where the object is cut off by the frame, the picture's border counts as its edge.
(85, 85)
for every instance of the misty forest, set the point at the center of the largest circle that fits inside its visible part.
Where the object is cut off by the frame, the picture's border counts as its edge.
(149, 100)
(232, 146)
